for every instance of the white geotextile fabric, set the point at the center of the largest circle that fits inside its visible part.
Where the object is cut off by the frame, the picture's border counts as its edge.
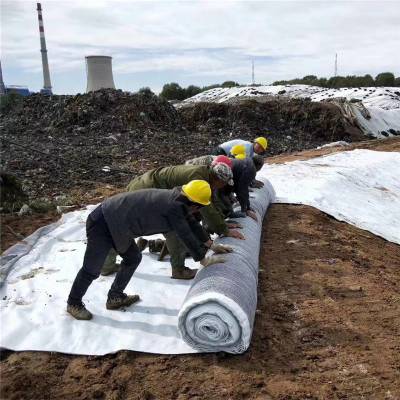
(37, 275)
(361, 187)
(218, 312)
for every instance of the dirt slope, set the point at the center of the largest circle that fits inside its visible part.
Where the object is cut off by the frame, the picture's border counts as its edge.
(326, 328)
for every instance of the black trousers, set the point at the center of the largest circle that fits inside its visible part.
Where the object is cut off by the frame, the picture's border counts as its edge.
(99, 243)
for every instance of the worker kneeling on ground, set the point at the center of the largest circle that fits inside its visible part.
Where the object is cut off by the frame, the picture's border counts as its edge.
(119, 219)
(244, 172)
(259, 146)
(217, 175)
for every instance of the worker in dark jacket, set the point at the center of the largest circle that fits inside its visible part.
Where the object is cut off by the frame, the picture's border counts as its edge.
(125, 216)
(217, 176)
(244, 172)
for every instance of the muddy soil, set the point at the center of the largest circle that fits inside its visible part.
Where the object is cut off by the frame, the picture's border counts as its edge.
(327, 327)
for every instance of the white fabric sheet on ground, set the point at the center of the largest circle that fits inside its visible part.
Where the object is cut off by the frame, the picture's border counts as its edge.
(218, 312)
(33, 315)
(361, 187)
(37, 275)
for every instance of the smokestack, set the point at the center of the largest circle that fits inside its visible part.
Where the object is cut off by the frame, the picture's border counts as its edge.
(46, 73)
(2, 87)
(99, 73)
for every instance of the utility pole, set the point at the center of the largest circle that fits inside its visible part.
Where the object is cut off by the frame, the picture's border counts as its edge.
(335, 64)
(252, 72)
(2, 86)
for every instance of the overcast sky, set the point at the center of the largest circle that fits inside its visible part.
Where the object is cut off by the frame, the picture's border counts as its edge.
(198, 42)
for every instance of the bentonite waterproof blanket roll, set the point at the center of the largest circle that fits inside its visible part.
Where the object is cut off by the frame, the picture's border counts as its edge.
(218, 311)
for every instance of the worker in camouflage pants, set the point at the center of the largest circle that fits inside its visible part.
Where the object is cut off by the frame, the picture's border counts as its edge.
(218, 176)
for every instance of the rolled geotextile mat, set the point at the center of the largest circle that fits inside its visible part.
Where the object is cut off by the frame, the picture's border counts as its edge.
(218, 311)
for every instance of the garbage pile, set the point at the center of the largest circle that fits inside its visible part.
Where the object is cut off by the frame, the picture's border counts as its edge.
(290, 124)
(56, 143)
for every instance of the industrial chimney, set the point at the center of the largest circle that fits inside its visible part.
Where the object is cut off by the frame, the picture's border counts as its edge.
(2, 87)
(45, 63)
(99, 73)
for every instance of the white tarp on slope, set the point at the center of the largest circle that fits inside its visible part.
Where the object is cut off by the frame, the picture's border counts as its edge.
(361, 187)
(38, 274)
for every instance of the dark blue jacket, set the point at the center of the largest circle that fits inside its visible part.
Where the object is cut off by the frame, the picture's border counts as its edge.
(150, 211)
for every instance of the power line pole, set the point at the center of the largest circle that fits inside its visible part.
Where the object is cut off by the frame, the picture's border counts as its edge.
(2, 86)
(336, 64)
(252, 72)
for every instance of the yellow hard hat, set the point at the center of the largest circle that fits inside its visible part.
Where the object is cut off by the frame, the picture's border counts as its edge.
(238, 149)
(198, 191)
(240, 156)
(262, 141)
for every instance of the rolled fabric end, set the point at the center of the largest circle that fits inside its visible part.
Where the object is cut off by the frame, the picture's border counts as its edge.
(213, 322)
(219, 309)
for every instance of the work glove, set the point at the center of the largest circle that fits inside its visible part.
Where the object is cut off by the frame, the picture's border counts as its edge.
(221, 248)
(257, 184)
(235, 234)
(207, 261)
(252, 214)
(234, 225)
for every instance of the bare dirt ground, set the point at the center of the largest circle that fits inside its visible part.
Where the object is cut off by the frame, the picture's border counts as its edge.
(327, 327)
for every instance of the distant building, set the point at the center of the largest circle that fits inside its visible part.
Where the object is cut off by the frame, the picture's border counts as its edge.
(15, 89)
(99, 73)
(46, 91)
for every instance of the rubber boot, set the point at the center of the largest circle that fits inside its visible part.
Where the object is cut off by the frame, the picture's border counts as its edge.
(110, 266)
(183, 273)
(141, 243)
(110, 269)
(155, 246)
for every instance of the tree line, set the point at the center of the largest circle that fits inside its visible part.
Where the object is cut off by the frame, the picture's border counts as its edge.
(382, 79)
(173, 91)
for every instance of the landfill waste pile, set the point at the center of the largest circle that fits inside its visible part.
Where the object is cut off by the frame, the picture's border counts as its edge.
(52, 144)
(290, 124)
(374, 110)
(55, 143)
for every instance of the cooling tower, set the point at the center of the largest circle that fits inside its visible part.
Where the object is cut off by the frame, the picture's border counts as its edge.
(99, 73)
